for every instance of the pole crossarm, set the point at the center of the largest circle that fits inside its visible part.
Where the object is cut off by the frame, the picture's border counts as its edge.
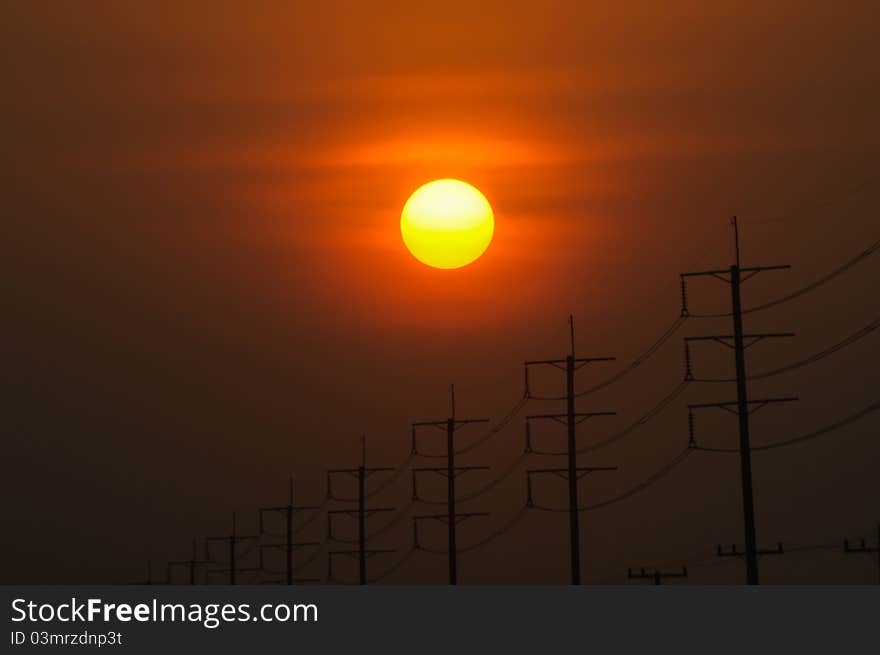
(356, 552)
(657, 575)
(562, 363)
(579, 417)
(444, 517)
(579, 469)
(444, 472)
(355, 471)
(728, 340)
(744, 269)
(726, 405)
(296, 544)
(734, 551)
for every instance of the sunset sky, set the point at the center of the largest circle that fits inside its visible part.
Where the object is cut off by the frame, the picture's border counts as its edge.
(205, 286)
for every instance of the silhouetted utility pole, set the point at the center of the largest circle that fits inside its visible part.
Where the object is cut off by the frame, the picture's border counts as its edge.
(737, 342)
(571, 419)
(362, 512)
(232, 540)
(655, 574)
(191, 564)
(289, 544)
(450, 471)
(864, 549)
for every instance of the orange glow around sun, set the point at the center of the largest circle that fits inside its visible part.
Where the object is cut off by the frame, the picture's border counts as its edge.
(447, 224)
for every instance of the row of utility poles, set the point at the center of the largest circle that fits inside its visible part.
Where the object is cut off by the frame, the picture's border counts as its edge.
(738, 341)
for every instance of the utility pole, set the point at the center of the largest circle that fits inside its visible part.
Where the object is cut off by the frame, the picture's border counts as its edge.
(288, 510)
(737, 342)
(191, 564)
(231, 541)
(864, 549)
(362, 512)
(656, 575)
(570, 419)
(450, 471)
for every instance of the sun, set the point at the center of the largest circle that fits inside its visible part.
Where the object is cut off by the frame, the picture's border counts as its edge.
(447, 223)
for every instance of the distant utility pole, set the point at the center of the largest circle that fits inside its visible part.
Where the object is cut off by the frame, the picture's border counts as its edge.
(737, 342)
(864, 549)
(288, 510)
(450, 471)
(232, 540)
(655, 574)
(362, 512)
(733, 551)
(571, 419)
(191, 564)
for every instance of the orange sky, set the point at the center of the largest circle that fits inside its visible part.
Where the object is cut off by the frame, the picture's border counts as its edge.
(202, 214)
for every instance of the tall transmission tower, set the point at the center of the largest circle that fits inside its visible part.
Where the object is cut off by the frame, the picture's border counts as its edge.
(232, 541)
(571, 419)
(191, 564)
(742, 406)
(361, 473)
(452, 518)
(288, 546)
(656, 575)
(863, 549)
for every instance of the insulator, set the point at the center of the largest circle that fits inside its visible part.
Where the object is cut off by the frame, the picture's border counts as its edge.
(688, 369)
(684, 299)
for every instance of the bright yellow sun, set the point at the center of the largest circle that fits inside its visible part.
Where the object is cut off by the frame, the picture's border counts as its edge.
(447, 223)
